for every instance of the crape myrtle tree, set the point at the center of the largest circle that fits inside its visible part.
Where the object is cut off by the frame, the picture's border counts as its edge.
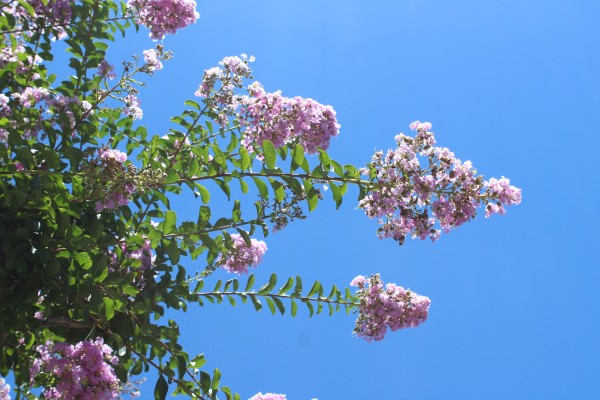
(92, 253)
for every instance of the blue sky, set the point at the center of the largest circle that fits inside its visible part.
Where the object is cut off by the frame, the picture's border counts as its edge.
(512, 86)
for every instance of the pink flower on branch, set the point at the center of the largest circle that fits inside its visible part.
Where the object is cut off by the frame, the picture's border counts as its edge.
(268, 396)
(262, 115)
(4, 390)
(282, 120)
(80, 371)
(164, 16)
(115, 183)
(152, 60)
(241, 255)
(391, 307)
(411, 199)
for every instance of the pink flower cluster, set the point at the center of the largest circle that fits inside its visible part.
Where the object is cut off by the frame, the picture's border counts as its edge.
(231, 74)
(390, 307)
(271, 116)
(268, 396)
(241, 256)
(44, 107)
(144, 254)
(31, 95)
(80, 372)
(132, 107)
(54, 11)
(117, 188)
(266, 116)
(105, 70)
(504, 192)
(151, 60)
(4, 390)
(54, 14)
(413, 200)
(164, 16)
(4, 107)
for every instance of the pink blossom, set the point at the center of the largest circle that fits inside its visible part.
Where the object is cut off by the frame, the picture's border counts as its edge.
(421, 201)
(266, 116)
(282, 120)
(359, 281)
(106, 70)
(4, 390)
(268, 396)
(392, 307)
(114, 154)
(80, 371)
(151, 60)
(117, 189)
(31, 95)
(241, 256)
(132, 107)
(164, 16)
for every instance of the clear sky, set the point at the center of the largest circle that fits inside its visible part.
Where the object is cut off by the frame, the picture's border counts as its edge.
(512, 86)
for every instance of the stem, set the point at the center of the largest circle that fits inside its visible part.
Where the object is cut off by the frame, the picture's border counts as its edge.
(69, 323)
(280, 296)
(279, 175)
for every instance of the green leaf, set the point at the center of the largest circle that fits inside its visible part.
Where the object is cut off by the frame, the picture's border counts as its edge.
(278, 189)
(298, 288)
(287, 286)
(314, 289)
(109, 307)
(250, 283)
(337, 194)
(337, 168)
(161, 388)
(297, 156)
(204, 381)
(181, 366)
(271, 305)
(170, 222)
(216, 379)
(269, 153)
(324, 158)
(219, 156)
(263, 190)
(192, 104)
(269, 286)
(351, 171)
(172, 176)
(236, 213)
(173, 251)
(204, 193)
(279, 305)
(311, 194)
(217, 285)
(193, 168)
(256, 302)
(311, 309)
(294, 309)
(245, 159)
(224, 187)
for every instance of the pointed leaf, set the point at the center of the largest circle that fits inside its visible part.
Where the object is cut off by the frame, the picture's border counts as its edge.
(269, 153)
(161, 388)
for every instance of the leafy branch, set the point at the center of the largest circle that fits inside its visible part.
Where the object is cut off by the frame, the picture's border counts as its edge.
(291, 292)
